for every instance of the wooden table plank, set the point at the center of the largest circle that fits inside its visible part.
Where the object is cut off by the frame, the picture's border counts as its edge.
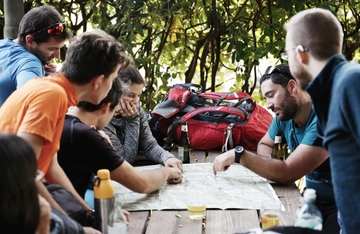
(217, 221)
(138, 221)
(212, 154)
(197, 156)
(289, 195)
(167, 222)
(230, 221)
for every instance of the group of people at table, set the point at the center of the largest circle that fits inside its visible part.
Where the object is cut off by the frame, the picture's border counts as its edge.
(86, 116)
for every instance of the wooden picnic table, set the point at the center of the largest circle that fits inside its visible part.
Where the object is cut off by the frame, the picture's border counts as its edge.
(217, 221)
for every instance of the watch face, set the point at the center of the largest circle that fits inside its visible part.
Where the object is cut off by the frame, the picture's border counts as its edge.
(239, 149)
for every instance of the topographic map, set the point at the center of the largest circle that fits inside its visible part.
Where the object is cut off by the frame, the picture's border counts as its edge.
(236, 188)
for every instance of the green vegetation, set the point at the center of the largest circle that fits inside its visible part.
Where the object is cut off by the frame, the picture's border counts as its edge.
(210, 42)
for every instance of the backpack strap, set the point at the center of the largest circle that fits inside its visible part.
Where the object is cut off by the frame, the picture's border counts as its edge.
(228, 110)
(236, 105)
(229, 140)
(224, 95)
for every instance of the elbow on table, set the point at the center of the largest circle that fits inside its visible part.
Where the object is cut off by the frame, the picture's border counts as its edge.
(285, 180)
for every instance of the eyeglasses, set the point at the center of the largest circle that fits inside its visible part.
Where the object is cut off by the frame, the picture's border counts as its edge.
(39, 175)
(271, 70)
(285, 56)
(52, 30)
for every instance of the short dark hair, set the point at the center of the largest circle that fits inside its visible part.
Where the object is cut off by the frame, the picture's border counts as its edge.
(113, 98)
(279, 74)
(19, 202)
(318, 30)
(39, 18)
(92, 54)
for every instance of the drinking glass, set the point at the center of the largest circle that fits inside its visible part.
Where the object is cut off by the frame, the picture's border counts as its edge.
(270, 213)
(196, 201)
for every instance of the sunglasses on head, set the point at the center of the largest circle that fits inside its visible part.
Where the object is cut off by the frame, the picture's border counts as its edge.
(52, 30)
(271, 70)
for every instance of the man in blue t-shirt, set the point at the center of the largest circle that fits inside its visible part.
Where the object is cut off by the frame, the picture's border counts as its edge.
(296, 120)
(41, 35)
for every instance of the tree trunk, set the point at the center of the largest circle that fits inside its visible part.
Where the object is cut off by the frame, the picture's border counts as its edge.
(13, 12)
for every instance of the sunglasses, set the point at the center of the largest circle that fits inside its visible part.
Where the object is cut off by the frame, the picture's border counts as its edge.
(52, 30)
(271, 70)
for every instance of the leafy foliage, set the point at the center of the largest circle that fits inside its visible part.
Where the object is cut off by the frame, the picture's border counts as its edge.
(217, 43)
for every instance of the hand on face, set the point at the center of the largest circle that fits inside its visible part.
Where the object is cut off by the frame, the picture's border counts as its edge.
(126, 108)
(174, 162)
(49, 68)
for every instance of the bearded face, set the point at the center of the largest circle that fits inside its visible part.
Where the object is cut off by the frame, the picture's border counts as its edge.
(279, 100)
(287, 107)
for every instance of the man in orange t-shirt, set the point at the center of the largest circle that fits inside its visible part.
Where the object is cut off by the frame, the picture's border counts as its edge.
(37, 110)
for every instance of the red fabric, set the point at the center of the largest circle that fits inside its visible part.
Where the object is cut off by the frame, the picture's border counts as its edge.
(207, 136)
(180, 95)
(252, 121)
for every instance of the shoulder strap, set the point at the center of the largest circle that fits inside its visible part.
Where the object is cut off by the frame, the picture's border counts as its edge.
(236, 105)
(227, 110)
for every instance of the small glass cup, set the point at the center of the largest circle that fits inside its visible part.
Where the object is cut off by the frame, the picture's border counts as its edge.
(270, 213)
(196, 201)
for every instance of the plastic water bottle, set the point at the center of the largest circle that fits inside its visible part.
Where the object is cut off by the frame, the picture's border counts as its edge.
(104, 198)
(308, 215)
(117, 221)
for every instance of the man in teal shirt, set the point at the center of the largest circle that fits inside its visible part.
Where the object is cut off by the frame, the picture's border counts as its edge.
(296, 120)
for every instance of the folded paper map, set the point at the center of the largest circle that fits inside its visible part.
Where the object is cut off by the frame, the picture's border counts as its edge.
(236, 188)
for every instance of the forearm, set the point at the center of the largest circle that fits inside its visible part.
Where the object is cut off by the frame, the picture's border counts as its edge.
(45, 216)
(271, 169)
(140, 181)
(149, 144)
(154, 152)
(264, 150)
(155, 178)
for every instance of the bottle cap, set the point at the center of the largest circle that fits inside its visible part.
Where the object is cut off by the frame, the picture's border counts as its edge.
(103, 187)
(309, 194)
(103, 174)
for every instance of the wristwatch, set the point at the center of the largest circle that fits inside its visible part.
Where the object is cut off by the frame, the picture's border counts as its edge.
(239, 151)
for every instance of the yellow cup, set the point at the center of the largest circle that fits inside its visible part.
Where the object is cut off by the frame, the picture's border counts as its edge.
(270, 214)
(196, 201)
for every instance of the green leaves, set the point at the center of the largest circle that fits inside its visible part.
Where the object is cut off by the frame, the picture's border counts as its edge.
(185, 40)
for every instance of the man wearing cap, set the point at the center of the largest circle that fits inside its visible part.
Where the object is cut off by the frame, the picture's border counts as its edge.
(41, 35)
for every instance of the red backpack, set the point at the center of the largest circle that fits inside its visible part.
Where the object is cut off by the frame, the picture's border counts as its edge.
(216, 120)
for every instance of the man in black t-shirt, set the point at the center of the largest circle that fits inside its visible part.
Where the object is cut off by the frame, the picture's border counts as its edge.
(84, 150)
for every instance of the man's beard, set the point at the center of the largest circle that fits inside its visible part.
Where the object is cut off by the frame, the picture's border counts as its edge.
(40, 56)
(288, 107)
